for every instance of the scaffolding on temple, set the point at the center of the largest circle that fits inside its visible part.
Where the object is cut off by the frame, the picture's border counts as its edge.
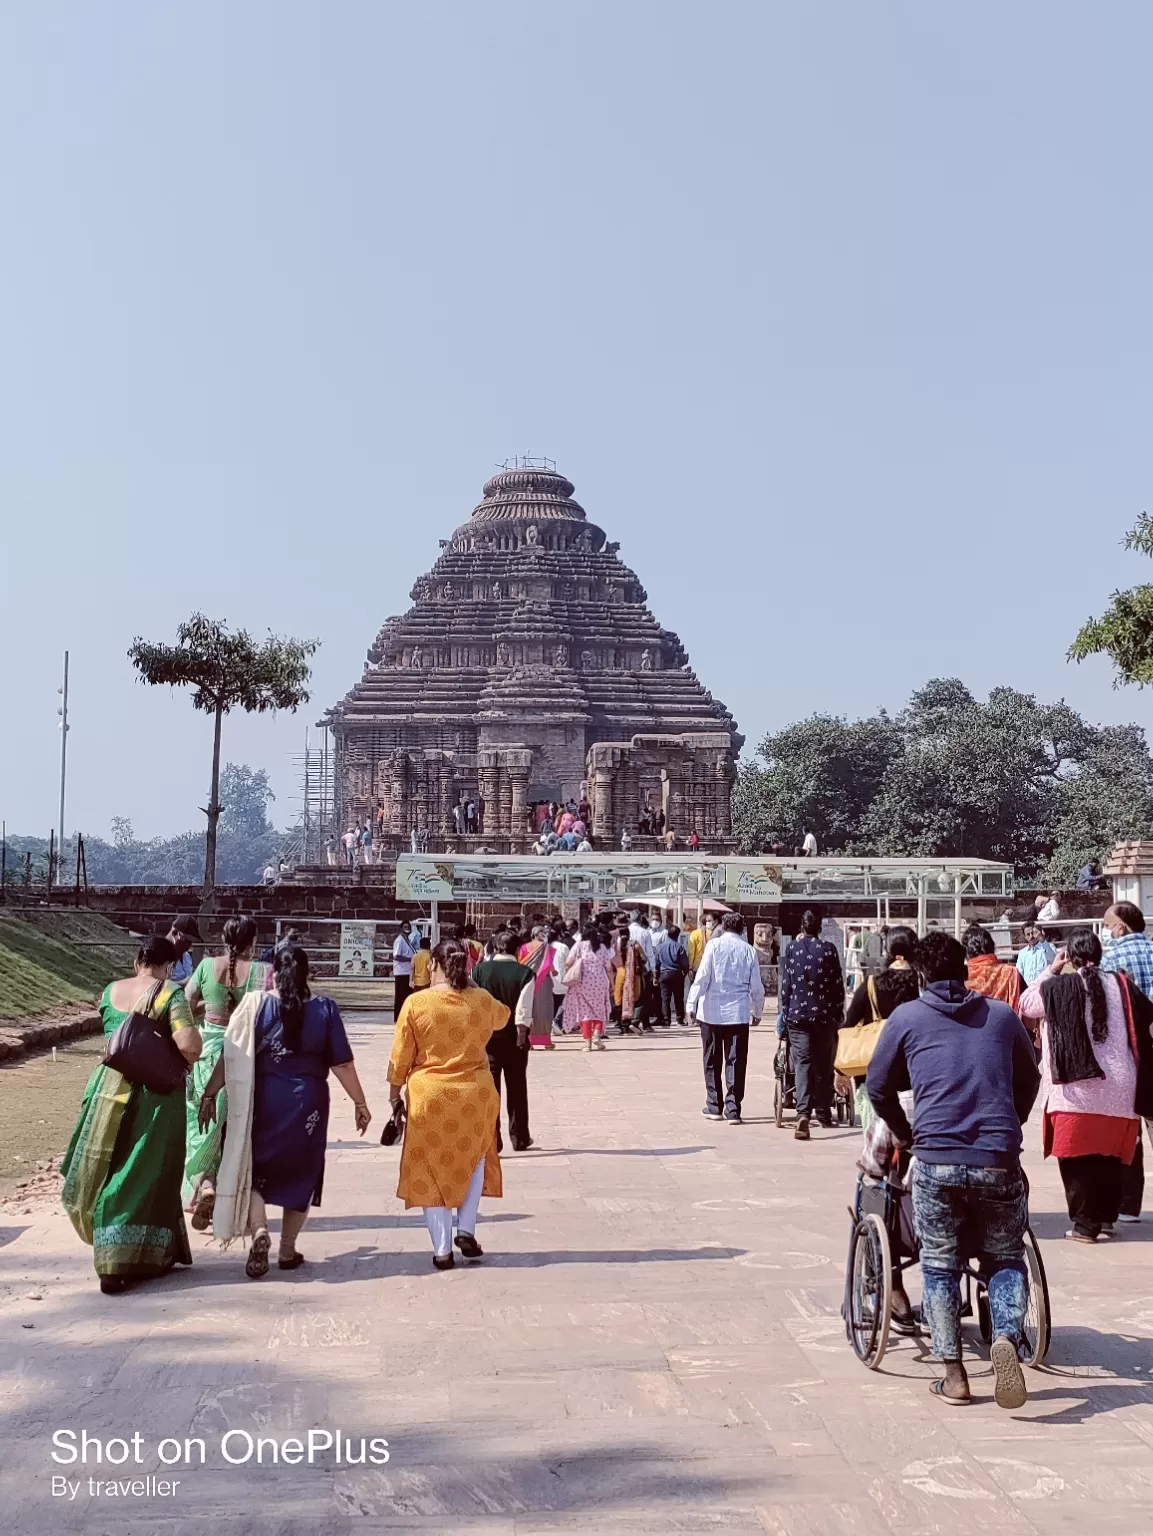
(316, 811)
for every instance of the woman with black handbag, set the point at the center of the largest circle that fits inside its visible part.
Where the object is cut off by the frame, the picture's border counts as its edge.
(125, 1162)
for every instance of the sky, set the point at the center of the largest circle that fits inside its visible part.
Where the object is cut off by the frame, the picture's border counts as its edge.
(838, 316)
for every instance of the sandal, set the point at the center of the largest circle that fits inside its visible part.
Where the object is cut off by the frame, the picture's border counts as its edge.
(1073, 1236)
(468, 1245)
(937, 1388)
(202, 1212)
(294, 1261)
(257, 1265)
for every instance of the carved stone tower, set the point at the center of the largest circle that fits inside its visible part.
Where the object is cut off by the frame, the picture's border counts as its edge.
(530, 669)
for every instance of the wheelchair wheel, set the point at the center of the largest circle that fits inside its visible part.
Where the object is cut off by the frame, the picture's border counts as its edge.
(870, 1290)
(779, 1101)
(1037, 1312)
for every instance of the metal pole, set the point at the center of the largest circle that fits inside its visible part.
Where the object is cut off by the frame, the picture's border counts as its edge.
(63, 759)
(957, 907)
(434, 915)
(305, 851)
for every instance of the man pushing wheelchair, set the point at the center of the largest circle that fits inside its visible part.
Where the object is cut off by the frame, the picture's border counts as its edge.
(973, 1073)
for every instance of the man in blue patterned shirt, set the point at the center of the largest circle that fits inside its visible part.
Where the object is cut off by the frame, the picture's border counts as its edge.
(812, 1010)
(1132, 952)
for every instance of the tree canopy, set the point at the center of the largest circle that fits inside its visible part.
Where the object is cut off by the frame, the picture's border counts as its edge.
(226, 670)
(1005, 778)
(1124, 632)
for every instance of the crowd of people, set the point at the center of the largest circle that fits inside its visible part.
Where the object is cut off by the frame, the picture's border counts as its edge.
(963, 1045)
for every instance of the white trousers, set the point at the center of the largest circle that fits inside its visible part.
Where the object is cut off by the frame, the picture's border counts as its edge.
(439, 1217)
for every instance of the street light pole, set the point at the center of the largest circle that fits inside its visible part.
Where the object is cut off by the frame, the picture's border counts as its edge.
(63, 713)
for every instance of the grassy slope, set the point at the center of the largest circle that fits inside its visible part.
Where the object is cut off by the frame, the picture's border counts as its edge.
(49, 958)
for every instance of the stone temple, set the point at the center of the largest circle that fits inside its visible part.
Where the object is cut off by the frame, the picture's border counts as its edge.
(528, 669)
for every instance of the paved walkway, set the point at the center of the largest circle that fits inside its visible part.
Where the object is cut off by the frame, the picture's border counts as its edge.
(653, 1344)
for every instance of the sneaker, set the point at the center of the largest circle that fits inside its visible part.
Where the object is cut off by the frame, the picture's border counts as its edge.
(1129, 1220)
(712, 1114)
(733, 1120)
(802, 1131)
(1009, 1379)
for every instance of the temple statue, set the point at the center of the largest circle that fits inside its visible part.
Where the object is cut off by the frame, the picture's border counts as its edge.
(489, 706)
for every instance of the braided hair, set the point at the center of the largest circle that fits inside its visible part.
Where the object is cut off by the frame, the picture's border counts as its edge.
(239, 935)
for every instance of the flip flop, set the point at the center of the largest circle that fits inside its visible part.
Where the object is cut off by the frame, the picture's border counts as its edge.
(937, 1388)
(1078, 1237)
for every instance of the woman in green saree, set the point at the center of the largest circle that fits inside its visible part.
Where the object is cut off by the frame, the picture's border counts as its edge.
(124, 1164)
(213, 992)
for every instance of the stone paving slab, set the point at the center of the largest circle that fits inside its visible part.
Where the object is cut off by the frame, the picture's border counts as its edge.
(653, 1344)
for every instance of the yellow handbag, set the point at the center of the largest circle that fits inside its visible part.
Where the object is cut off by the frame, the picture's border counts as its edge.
(855, 1045)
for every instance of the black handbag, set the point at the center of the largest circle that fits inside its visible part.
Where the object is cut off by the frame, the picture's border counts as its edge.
(394, 1129)
(142, 1050)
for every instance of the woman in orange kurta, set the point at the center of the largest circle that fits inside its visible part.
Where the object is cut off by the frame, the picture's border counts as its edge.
(449, 1158)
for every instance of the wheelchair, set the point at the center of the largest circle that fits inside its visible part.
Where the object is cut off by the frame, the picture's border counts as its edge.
(883, 1246)
(785, 1090)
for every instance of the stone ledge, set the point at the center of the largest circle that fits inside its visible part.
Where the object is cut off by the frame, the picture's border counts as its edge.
(18, 1037)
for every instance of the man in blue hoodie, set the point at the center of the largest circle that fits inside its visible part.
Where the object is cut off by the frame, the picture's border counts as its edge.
(973, 1072)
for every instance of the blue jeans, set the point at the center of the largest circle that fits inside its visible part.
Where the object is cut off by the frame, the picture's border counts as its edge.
(962, 1212)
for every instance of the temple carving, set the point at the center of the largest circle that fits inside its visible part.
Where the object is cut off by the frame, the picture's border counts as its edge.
(530, 669)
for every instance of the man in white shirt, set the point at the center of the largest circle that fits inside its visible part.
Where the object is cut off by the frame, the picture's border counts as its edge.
(727, 995)
(809, 846)
(1051, 910)
(640, 933)
(404, 948)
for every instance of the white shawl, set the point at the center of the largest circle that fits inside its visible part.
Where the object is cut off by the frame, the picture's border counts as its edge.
(234, 1181)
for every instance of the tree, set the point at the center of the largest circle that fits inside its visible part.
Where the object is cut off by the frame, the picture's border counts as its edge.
(226, 671)
(244, 796)
(1108, 798)
(977, 779)
(820, 775)
(1125, 632)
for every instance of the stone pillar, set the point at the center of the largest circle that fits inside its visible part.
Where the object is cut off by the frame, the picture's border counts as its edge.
(724, 811)
(445, 796)
(487, 783)
(519, 768)
(602, 803)
(504, 800)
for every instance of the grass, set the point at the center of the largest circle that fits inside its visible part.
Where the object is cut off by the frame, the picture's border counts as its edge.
(51, 958)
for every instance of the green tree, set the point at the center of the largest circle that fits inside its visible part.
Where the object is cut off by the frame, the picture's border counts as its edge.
(820, 774)
(244, 797)
(977, 779)
(1124, 633)
(226, 671)
(1109, 797)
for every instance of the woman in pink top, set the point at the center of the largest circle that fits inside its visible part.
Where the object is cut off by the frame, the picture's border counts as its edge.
(1090, 1055)
(588, 977)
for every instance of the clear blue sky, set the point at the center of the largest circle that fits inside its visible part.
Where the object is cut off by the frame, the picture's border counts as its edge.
(838, 316)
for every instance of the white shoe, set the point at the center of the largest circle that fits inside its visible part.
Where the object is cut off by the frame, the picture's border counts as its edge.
(1129, 1220)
